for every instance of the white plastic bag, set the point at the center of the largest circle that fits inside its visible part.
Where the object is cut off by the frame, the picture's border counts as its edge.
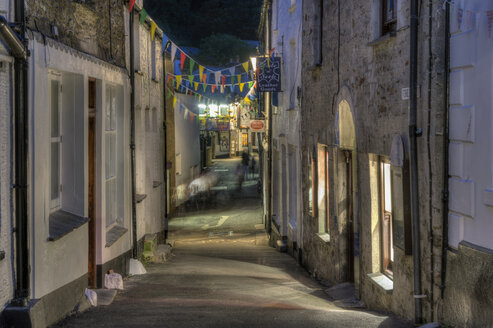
(113, 281)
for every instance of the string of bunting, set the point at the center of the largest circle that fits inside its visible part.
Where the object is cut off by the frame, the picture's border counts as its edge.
(179, 80)
(469, 19)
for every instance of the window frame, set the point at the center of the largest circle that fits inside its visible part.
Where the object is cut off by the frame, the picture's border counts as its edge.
(323, 225)
(113, 132)
(388, 25)
(56, 204)
(386, 232)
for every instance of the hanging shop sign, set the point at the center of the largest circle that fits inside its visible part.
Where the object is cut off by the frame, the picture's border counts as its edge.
(269, 75)
(257, 126)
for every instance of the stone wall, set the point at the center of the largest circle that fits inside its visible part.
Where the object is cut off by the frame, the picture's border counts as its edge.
(369, 71)
(95, 27)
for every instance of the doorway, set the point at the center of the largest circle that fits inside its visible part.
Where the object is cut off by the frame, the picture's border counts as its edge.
(91, 273)
(349, 207)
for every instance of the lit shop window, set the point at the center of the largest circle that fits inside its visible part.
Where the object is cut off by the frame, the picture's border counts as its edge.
(386, 199)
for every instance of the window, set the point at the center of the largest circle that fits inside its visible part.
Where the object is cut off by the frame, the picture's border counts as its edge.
(389, 17)
(311, 184)
(56, 145)
(386, 217)
(113, 177)
(322, 187)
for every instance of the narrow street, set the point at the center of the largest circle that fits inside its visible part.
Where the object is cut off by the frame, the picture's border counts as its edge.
(223, 274)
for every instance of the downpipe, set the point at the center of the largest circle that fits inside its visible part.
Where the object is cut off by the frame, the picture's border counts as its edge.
(132, 134)
(413, 133)
(165, 132)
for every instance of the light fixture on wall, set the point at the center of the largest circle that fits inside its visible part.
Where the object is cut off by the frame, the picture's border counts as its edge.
(12, 40)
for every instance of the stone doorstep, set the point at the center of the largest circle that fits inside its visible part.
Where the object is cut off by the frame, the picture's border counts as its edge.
(343, 295)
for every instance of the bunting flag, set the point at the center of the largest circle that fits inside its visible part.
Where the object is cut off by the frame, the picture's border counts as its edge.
(205, 86)
(153, 30)
(182, 59)
(201, 70)
(232, 79)
(173, 52)
(174, 102)
(489, 14)
(217, 76)
(190, 78)
(192, 64)
(245, 66)
(460, 11)
(196, 85)
(165, 42)
(223, 80)
(200, 97)
(232, 87)
(250, 84)
(241, 86)
(143, 16)
(239, 78)
(204, 78)
(131, 5)
(169, 78)
(213, 87)
(170, 93)
(232, 70)
(181, 107)
(222, 88)
(178, 80)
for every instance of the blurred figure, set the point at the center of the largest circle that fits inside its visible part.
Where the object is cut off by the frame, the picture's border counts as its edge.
(240, 175)
(245, 160)
(252, 166)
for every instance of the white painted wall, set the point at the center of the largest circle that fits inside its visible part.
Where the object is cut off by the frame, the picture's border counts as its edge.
(286, 38)
(6, 265)
(187, 139)
(471, 121)
(57, 263)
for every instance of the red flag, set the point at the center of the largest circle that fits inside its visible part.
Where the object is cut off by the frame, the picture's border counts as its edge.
(131, 5)
(204, 78)
(224, 80)
(182, 58)
(213, 87)
(169, 78)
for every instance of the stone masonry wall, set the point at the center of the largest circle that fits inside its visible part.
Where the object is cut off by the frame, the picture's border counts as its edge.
(369, 72)
(95, 27)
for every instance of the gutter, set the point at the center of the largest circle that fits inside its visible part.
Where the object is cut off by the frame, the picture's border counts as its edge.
(413, 133)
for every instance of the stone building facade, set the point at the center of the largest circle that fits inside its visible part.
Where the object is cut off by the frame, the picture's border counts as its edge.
(355, 143)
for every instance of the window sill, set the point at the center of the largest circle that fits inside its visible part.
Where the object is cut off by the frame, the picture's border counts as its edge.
(62, 223)
(114, 234)
(382, 281)
(323, 236)
(156, 184)
(382, 39)
(140, 197)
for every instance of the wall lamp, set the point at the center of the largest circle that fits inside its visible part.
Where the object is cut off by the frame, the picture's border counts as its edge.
(12, 40)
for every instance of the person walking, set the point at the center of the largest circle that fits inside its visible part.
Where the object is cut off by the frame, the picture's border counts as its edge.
(252, 166)
(245, 161)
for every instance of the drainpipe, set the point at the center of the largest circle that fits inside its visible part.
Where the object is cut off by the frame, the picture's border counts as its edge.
(268, 104)
(132, 134)
(445, 191)
(165, 128)
(21, 100)
(413, 133)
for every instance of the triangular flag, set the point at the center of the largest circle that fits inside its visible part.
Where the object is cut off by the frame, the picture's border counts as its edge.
(174, 102)
(241, 86)
(205, 86)
(173, 52)
(143, 16)
(200, 97)
(169, 78)
(131, 5)
(178, 80)
(182, 59)
(201, 71)
(250, 84)
(181, 107)
(190, 78)
(232, 70)
(192, 64)
(213, 87)
(489, 14)
(232, 86)
(196, 85)
(245, 66)
(232, 79)
(153, 30)
(170, 93)
(165, 43)
(217, 76)
(239, 78)
(222, 88)
(204, 78)
(223, 80)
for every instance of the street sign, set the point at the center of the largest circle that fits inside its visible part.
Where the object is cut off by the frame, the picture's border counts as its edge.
(269, 74)
(257, 126)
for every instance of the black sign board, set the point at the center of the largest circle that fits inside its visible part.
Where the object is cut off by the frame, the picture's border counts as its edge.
(269, 74)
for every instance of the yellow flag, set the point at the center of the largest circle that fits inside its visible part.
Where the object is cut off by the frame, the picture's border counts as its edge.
(201, 71)
(174, 102)
(239, 78)
(153, 30)
(178, 81)
(245, 66)
(241, 86)
(196, 85)
(200, 97)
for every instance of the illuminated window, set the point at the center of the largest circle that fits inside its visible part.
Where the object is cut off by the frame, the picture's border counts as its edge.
(386, 215)
(323, 188)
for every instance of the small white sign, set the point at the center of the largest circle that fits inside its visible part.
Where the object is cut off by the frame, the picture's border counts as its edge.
(405, 93)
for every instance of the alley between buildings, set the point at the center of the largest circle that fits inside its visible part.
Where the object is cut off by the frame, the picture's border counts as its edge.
(224, 274)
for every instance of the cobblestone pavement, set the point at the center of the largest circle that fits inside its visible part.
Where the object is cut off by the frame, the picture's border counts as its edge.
(223, 274)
